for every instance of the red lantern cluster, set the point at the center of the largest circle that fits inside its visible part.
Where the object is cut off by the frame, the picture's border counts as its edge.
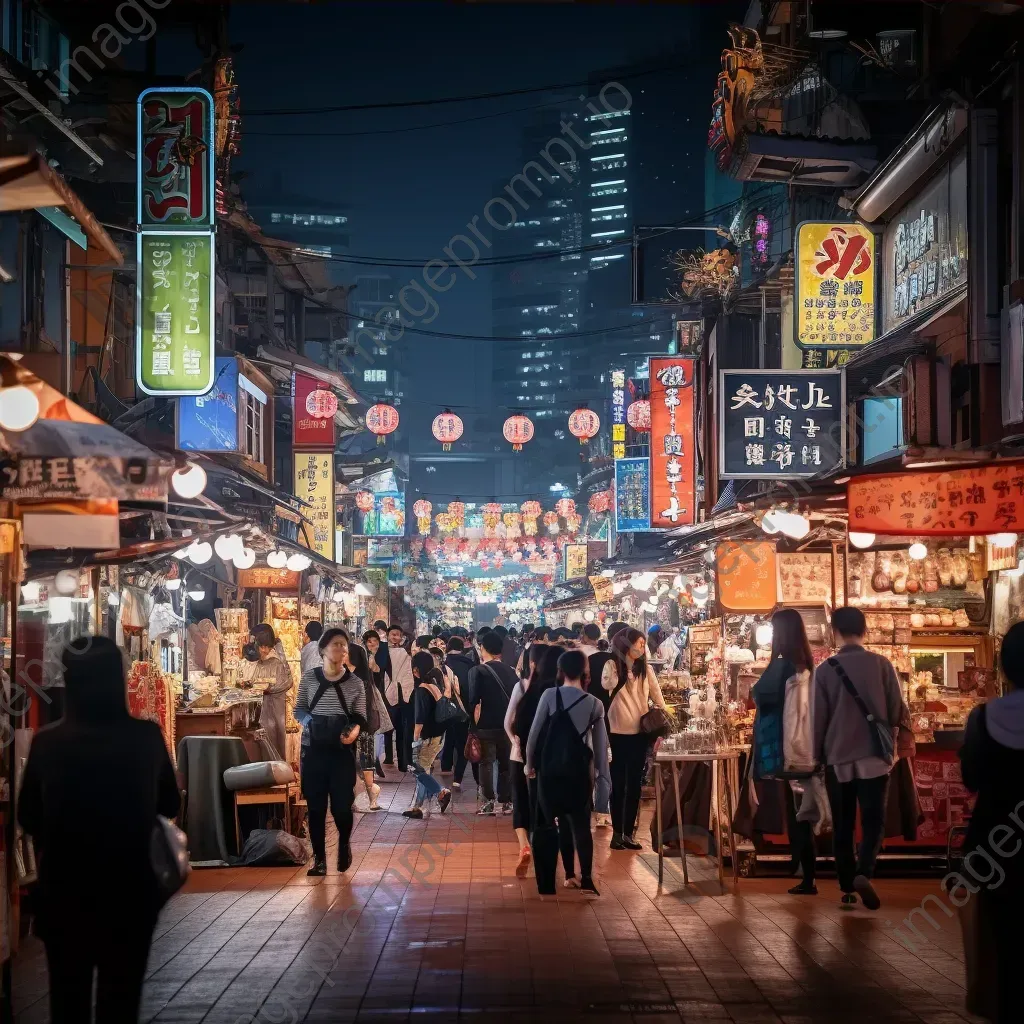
(518, 430)
(381, 419)
(447, 428)
(565, 507)
(584, 424)
(600, 502)
(321, 404)
(638, 415)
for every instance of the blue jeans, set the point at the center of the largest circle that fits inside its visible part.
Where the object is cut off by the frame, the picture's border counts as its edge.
(423, 756)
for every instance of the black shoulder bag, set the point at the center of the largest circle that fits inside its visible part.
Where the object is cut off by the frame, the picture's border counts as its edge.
(325, 731)
(882, 734)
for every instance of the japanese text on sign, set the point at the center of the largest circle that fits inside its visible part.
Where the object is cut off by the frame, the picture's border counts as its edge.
(746, 575)
(673, 463)
(309, 430)
(950, 503)
(575, 561)
(618, 378)
(632, 495)
(314, 484)
(835, 299)
(781, 424)
(805, 578)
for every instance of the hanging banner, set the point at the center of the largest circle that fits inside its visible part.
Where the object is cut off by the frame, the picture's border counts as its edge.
(836, 269)
(314, 484)
(632, 495)
(175, 313)
(781, 424)
(618, 378)
(209, 423)
(575, 561)
(604, 588)
(263, 577)
(311, 401)
(673, 455)
(747, 576)
(175, 176)
(948, 503)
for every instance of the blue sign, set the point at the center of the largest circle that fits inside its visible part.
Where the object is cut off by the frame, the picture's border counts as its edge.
(632, 495)
(209, 423)
(385, 519)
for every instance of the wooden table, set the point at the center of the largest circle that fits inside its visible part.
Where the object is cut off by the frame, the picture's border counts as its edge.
(225, 720)
(281, 794)
(719, 782)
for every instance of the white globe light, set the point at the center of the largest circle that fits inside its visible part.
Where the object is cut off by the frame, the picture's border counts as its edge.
(769, 524)
(709, 556)
(793, 525)
(172, 584)
(918, 551)
(189, 482)
(245, 559)
(763, 634)
(19, 408)
(298, 562)
(66, 582)
(30, 592)
(200, 552)
(861, 540)
(277, 559)
(196, 595)
(588, 615)
(227, 545)
(113, 599)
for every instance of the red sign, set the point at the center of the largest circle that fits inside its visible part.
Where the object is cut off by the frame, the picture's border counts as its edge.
(308, 430)
(673, 455)
(945, 503)
(263, 577)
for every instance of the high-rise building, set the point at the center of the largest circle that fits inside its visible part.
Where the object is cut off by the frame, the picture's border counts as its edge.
(376, 362)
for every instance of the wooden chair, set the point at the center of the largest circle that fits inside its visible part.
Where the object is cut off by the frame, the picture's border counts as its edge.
(270, 795)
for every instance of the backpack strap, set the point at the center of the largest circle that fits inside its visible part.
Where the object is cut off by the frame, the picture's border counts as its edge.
(497, 679)
(851, 689)
(323, 685)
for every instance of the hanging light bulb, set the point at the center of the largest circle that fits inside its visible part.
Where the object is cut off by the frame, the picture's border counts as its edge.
(709, 556)
(769, 523)
(299, 562)
(113, 599)
(245, 558)
(189, 482)
(588, 615)
(200, 552)
(861, 540)
(30, 592)
(277, 559)
(19, 408)
(918, 551)
(763, 634)
(172, 584)
(66, 582)
(227, 545)
(196, 595)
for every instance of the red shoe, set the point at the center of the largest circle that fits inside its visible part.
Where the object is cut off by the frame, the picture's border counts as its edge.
(523, 864)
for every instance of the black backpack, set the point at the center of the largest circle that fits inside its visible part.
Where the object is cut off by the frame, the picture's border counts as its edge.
(564, 767)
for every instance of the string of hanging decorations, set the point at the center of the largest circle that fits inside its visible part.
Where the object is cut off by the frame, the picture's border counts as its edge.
(495, 520)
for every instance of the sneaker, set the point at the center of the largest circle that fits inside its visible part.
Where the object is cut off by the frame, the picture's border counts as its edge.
(506, 808)
(603, 821)
(373, 793)
(866, 892)
(629, 843)
(344, 857)
(803, 889)
(444, 798)
(523, 864)
(456, 785)
(488, 808)
(413, 812)
(319, 867)
(588, 888)
(848, 899)
(570, 883)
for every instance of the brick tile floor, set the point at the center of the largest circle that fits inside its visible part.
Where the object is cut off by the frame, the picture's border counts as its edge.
(430, 923)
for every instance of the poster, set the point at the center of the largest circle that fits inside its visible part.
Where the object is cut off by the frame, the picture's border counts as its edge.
(175, 302)
(209, 423)
(618, 378)
(604, 588)
(747, 576)
(673, 455)
(948, 503)
(836, 272)
(781, 424)
(263, 577)
(175, 185)
(310, 429)
(385, 519)
(632, 495)
(314, 484)
(805, 578)
(575, 561)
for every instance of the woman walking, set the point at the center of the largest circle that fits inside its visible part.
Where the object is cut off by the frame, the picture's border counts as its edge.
(376, 724)
(331, 707)
(632, 686)
(786, 682)
(567, 751)
(427, 735)
(371, 641)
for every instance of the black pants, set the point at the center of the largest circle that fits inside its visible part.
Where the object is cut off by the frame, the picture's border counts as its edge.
(328, 774)
(403, 717)
(801, 838)
(629, 755)
(116, 956)
(495, 748)
(453, 752)
(845, 798)
(521, 815)
(551, 839)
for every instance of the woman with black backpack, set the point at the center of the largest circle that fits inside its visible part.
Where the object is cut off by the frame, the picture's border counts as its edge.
(567, 752)
(331, 708)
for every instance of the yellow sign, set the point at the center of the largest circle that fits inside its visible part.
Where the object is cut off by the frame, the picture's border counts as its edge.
(835, 285)
(604, 588)
(575, 561)
(314, 484)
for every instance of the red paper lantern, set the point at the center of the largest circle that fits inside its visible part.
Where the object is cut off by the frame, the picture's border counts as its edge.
(638, 415)
(321, 404)
(447, 428)
(364, 501)
(381, 419)
(600, 502)
(422, 508)
(518, 430)
(565, 507)
(584, 424)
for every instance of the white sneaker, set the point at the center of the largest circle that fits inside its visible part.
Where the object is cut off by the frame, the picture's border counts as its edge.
(603, 821)
(373, 792)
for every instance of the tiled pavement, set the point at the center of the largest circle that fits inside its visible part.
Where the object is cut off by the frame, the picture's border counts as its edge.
(432, 924)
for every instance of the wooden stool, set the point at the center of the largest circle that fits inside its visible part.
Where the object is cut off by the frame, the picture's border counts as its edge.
(271, 795)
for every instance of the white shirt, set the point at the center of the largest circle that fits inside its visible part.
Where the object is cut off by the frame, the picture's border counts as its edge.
(309, 657)
(587, 650)
(630, 704)
(510, 720)
(401, 676)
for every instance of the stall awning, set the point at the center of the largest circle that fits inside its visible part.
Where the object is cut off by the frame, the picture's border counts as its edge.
(281, 359)
(27, 182)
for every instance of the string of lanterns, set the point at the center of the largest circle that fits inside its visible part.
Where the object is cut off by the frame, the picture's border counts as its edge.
(498, 520)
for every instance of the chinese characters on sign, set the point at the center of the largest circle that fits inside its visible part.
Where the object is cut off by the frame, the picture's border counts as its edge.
(632, 495)
(262, 577)
(307, 430)
(314, 484)
(781, 424)
(618, 414)
(673, 462)
(747, 576)
(175, 329)
(950, 503)
(575, 556)
(835, 285)
(60, 477)
(805, 578)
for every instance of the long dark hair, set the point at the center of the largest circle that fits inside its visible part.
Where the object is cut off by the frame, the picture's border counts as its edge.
(360, 662)
(94, 680)
(789, 639)
(537, 652)
(621, 645)
(424, 663)
(543, 677)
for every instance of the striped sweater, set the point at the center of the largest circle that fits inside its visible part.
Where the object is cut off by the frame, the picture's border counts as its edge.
(352, 688)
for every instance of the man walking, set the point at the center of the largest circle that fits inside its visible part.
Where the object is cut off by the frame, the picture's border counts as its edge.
(399, 696)
(858, 706)
(453, 752)
(490, 688)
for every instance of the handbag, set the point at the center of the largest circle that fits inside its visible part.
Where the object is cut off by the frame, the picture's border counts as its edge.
(882, 734)
(656, 723)
(473, 750)
(168, 855)
(384, 723)
(447, 712)
(325, 731)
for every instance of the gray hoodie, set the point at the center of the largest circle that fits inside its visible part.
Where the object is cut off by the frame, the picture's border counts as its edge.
(1005, 719)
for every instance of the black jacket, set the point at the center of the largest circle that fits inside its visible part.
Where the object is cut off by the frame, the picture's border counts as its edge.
(486, 690)
(461, 665)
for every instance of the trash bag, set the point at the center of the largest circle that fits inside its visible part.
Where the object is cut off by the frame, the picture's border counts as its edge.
(267, 848)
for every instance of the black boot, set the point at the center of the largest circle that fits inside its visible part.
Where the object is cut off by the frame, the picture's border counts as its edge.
(319, 867)
(379, 769)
